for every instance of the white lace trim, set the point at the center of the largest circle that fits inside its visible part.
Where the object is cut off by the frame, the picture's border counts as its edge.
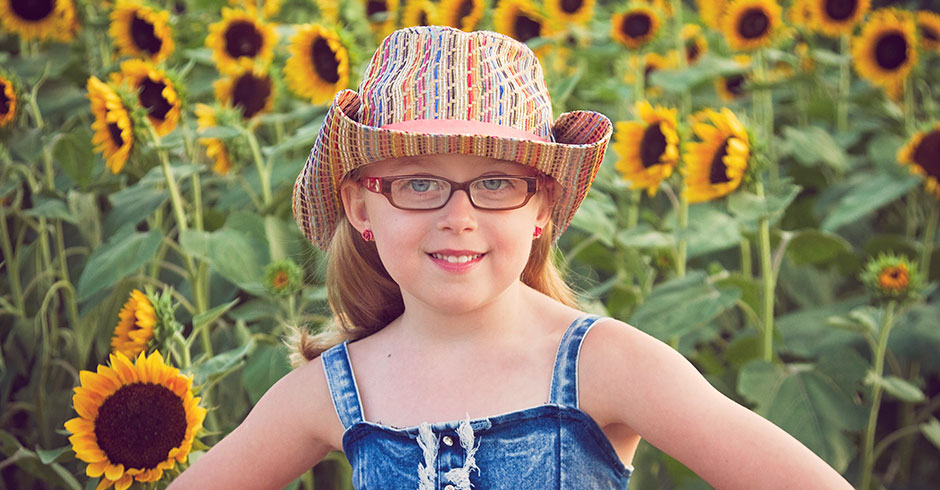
(428, 443)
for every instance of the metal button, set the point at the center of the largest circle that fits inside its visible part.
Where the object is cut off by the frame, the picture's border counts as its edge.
(450, 487)
(448, 440)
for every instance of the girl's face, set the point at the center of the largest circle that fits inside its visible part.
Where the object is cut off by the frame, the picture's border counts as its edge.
(456, 258)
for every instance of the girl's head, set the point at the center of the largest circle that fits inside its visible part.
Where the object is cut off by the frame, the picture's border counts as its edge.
(466, 111)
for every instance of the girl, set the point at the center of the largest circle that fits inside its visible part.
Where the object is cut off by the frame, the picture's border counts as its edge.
(459, 359)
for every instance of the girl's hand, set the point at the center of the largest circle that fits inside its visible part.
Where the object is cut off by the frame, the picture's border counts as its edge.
(634, 379)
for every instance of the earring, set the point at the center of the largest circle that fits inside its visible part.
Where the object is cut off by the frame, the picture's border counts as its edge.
(367, 235)
(538, 232)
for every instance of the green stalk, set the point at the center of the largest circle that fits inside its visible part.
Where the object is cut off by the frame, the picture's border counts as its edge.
(11, 263)
(683, 225)
(910, 122)
(868, 460)
(633, 210)
(845, 84)
(264, 170)
(639, 78)
(70, 299)
(685, 106)
(763, 99)
(767, 278)
(927, 245)
(745, 246)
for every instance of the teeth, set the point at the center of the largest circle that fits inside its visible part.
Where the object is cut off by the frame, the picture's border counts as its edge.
(457, 259)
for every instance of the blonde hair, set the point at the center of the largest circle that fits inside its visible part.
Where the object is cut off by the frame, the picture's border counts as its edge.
(364, 298)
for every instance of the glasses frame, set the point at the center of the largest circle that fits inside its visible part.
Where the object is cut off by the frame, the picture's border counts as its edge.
(383, 185)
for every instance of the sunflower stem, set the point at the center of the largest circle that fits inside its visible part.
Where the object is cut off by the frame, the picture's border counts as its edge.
(175, 197)
(926, 246)
(639, 77)
(910, 121)
(868, 460)
(633, 210)
(11, 263)
(685, 100)
(763, 99)
(71, 301)
(745, 246)
(264, 171)
(767, 278)
(845, 84)
(683, 249)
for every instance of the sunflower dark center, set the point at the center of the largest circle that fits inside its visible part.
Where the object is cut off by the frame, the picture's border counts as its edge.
(527, 28)
(139, 424)
(324, 60)
(4, 100)
(735, 85)
(927, 154)
(243, 39)
(841, 9)
(571, 6)
(251, 94)
(891, 51)
(144, 37)
(691, 51)
(151, 97)
(636, 25)
(423, 18)
(32, 10)
(753, 24)
(115, 131)
(464, 9)
(652, 146)
(717, 171)
(375, 7)
(929, 33)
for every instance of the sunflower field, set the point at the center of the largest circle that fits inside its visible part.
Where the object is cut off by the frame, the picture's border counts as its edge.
(768, 207)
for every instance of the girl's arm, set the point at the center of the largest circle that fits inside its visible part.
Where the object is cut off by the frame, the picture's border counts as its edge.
(646, 385)
(282, 437)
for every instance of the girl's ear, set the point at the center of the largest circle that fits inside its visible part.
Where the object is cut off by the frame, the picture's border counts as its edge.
(546, 204)
(354, 204)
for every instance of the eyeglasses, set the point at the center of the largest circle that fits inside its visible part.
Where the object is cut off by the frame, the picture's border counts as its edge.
(425, 192)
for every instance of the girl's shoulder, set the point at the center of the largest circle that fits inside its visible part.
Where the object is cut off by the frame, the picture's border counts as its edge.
(306, 392)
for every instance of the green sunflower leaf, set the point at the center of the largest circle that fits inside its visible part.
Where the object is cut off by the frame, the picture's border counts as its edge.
(931, 431)
(813, 145)
(220, 132)
(51, 208)
(119, 257)
(898, 388)
(868, 195)
(816, 247)
(683, 304)
(265, 366)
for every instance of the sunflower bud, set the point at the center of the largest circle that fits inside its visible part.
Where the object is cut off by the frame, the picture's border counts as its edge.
(283, 277)
(892, 277)
(146, 322)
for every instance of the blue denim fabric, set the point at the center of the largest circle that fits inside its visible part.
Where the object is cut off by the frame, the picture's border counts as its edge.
(551, 446)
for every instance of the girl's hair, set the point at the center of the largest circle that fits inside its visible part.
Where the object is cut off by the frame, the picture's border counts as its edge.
(364, 298)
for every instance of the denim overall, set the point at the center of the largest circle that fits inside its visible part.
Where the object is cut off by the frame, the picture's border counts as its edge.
(551, 446)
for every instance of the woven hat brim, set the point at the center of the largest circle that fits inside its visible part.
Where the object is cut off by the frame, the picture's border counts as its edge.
(344, 144)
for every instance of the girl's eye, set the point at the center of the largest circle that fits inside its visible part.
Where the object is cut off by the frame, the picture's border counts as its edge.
(420, 185)
(494, 184)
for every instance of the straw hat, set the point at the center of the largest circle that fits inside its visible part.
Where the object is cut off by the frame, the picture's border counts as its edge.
(435, 90)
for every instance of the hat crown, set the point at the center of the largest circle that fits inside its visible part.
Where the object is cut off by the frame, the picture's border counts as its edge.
(436, 72)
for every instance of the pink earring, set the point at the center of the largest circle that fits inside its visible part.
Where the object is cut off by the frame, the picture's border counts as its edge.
(538, 232)
(367, 235)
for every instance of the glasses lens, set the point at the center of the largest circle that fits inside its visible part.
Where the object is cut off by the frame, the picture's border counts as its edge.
(499, 192)
(419, 192)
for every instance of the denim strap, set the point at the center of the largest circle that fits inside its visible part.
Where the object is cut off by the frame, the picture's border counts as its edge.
(564, 389)
(343, 389)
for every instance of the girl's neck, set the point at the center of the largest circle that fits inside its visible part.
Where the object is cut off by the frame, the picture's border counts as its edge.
(497, 322)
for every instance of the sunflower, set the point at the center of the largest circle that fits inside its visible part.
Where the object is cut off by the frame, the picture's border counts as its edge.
(520, 20)
(635, 27)
(928, 25)
(381, 15)
(239, 40)
(734, 86)
(318, 66)
(570, 11)
(462, 14)
(155, 92)
(134, 420)
(283, 277)
(8, 100)
(695, 43)
(136, 325)
(42, 19)
(419, 13)
(837, 17)
(922, 155)
(750, 24)
(648, 149)
(141, 31)
(710, 11)
(269, 9)
(114, 131)
(215, 148)
(800, 15)
(715, 165)
(885, 51)
(892, 277)
(652, 62)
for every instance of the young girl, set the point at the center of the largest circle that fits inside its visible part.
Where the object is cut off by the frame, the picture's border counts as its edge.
(458, 358)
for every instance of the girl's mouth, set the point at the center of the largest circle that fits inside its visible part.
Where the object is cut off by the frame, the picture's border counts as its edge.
(456, 259)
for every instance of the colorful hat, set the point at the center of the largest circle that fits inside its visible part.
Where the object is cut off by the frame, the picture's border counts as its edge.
(488, 98)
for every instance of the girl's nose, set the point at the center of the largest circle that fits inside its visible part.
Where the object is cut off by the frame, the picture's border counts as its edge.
(458, 214)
